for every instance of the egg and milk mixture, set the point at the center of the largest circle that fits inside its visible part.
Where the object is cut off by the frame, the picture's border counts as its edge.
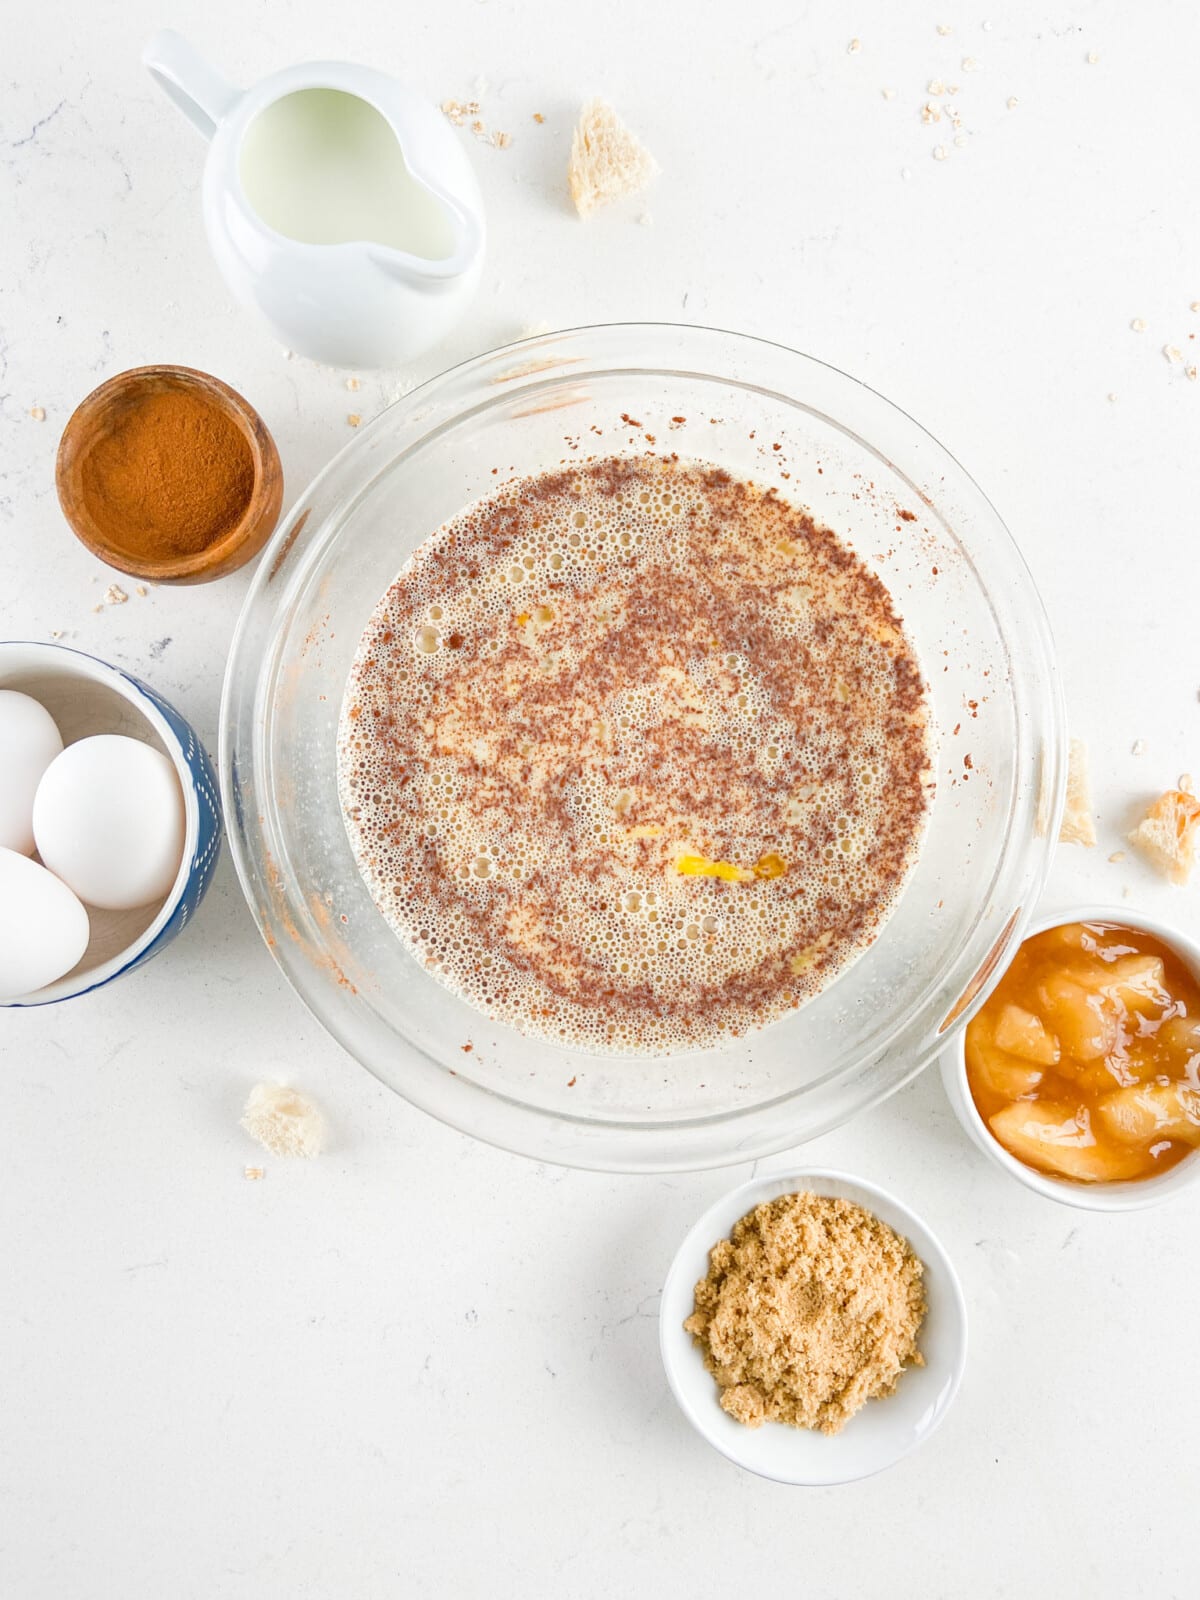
(634, 755)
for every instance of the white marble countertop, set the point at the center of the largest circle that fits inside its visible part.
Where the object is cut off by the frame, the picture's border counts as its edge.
(418, 1366)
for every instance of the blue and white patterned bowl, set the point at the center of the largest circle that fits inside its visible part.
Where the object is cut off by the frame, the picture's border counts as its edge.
(87, 696)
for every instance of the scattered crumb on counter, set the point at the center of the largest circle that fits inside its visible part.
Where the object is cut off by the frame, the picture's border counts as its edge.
(1167, 835)
(38, 413)
(538, 117)
(114, 595)
(1078, 824)
(607, 159)
(1012, 102)
(457, 111)
(283, 1121)
(809, 1309)
(254, 1173)
(354, 384)
(1172, 353)
(354, 418)
(1138, 325)
(1117, 855)
(1138, 747)
(853, 48)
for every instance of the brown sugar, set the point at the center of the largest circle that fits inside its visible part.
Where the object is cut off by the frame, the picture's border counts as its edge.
(811, 1308)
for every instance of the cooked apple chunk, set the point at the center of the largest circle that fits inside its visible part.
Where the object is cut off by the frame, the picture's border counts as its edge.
(1022, 1033)
(994, 1069)
(1148, 1112)
(1077, 1015)
(1139, 984)
(1059, 1140)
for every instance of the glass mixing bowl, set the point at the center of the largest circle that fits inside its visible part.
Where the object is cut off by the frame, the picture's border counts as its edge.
(855, 462)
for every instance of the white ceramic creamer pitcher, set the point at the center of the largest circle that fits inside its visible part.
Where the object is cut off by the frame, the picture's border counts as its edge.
(337, 203)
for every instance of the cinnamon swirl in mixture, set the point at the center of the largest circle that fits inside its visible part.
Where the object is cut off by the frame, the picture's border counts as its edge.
(634, 755)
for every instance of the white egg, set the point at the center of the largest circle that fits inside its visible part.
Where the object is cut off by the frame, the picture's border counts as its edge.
(43, 928)
(108, 820)
(29, 742)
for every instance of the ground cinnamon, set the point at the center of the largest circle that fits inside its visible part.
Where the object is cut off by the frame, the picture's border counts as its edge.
(170, 476)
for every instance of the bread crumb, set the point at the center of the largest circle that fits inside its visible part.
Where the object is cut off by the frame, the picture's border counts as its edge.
(142, 589)
(1173, 353)
(854, 47)
(1078, 825)
(889, 94)
(354, 385)
(354, 418)
(501, 141)
(1167, 834)
(38, 413)
(809, 1309)
(1138, 325)
(254, 1173)
(538, 117)
(940, 152)
(283, 1121)
(114, 595)
(1012, 102)
(1117, 855)
(607, 159)
(1092, 58)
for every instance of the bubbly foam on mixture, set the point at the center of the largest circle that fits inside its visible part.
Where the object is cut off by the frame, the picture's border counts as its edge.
(633, 756)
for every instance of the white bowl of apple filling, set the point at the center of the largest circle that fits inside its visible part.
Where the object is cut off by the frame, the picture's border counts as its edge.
(1080, 1076)
(640, 745)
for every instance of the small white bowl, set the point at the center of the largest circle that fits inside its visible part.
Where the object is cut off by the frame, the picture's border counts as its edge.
(1131, 1196)
(885, 1430)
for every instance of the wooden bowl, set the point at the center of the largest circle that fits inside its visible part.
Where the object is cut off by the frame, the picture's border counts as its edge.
(99, 413)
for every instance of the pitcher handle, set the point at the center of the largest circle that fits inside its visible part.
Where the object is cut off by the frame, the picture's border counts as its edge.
(187, 80)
